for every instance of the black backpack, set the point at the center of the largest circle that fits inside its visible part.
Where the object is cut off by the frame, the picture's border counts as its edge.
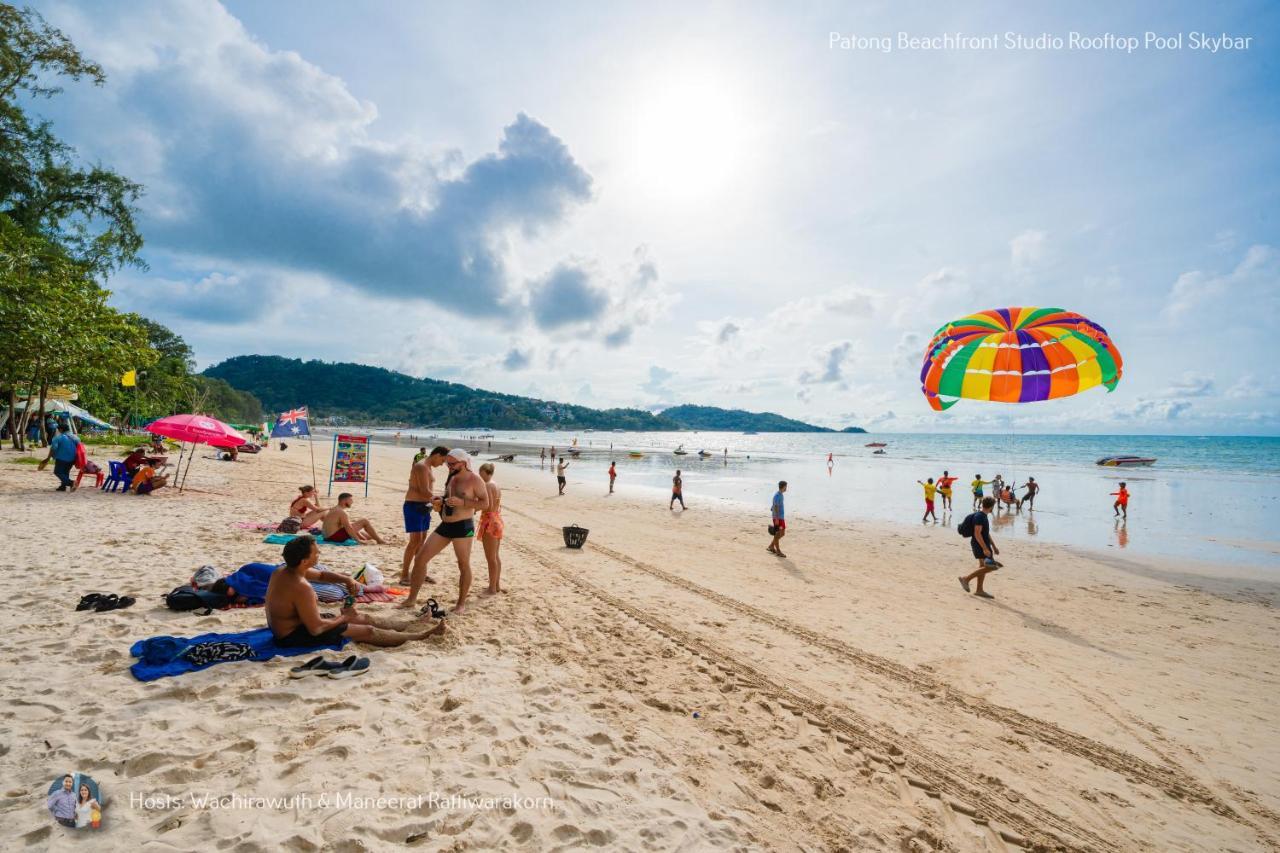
(187, 598)
(965, 528)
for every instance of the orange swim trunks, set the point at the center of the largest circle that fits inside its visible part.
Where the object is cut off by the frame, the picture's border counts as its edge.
(490, 525)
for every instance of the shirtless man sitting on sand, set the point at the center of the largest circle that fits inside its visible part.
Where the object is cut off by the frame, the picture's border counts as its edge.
(417, 506)
(464, 493)
(338, 526)
(306, 506)
(293, 611)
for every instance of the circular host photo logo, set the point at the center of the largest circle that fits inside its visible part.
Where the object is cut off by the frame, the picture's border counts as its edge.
(75, 801)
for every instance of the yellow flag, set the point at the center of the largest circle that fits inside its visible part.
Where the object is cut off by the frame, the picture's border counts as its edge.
(129, 379)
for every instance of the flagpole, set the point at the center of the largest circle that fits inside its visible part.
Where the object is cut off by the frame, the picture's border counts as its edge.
(312, 444)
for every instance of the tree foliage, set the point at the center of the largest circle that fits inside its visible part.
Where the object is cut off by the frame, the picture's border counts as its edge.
(87, 209)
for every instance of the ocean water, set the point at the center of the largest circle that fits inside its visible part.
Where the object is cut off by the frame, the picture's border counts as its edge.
(1208, 498)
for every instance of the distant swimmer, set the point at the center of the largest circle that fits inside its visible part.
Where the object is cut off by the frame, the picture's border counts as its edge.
(677, 491)
(944, 488)
(1032, 489)
(930, 489)
(977, 528)
(1122, 501)
(613, 474)
(778, 513)
(977, 485)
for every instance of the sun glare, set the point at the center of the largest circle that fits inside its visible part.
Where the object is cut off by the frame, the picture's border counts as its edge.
(690, 133)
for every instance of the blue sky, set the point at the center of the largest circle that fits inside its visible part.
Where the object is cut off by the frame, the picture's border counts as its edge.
(677, 203)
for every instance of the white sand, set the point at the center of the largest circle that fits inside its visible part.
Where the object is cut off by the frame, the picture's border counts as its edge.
(848, 697)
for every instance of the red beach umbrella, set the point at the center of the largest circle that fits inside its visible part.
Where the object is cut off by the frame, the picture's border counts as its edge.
(198, 429)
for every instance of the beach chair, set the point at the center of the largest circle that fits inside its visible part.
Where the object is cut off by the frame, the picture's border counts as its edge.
(96, 474)
(118, 477)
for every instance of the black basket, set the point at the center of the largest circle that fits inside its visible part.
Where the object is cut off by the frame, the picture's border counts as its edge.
(575, 536)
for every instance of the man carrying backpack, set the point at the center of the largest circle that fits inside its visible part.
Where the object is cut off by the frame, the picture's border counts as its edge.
(977, 529)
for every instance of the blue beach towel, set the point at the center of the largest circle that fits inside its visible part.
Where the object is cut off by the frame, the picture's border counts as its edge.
(282, 538)
(161, 657)
(250, 581)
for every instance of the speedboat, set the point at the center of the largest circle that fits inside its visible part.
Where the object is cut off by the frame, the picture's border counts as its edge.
(704, 453)
(636, 454)
(1126, 461)
(876, 444)
(680, 451)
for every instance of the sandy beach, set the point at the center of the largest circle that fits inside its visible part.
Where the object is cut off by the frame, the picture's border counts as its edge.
(672, 686)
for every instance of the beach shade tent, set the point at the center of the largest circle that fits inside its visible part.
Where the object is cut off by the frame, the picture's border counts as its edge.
(61, 409)
(1017, 355)
(197, 429)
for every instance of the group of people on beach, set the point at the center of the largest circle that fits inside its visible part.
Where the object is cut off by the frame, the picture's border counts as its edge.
(1005, 495)
(292, 606)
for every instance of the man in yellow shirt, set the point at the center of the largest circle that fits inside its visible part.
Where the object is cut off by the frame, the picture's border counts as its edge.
(930, 489)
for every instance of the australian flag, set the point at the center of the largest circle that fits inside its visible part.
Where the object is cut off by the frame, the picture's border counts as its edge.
(291, 423)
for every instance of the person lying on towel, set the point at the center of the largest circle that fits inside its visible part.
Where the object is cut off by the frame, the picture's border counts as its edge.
(293, 611)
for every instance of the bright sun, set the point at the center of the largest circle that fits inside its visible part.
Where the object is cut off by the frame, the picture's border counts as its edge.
(689, 136)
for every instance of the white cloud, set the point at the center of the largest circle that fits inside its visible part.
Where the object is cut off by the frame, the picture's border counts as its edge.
(1250, 292)
(1027, 249)
(831, 359)
(1191, 385)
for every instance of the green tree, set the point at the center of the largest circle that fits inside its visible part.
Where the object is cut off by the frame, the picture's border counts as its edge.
(87, 210)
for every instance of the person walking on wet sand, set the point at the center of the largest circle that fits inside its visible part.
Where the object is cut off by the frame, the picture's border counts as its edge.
(677, 491)
(1032, 489)
(1122, 500)
(613, 475)
(930, 489)
(944, 489)
(778, 512)
(560, 466)
(977, 527)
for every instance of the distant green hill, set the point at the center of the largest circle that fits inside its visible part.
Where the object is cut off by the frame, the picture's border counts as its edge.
(853, 429)
(362, 394)
(372, 395)
(735, 420)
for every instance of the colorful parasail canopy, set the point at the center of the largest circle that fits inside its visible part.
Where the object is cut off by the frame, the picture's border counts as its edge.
(1017, 355)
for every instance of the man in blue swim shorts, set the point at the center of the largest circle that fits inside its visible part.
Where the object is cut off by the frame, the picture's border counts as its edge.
(417, 507)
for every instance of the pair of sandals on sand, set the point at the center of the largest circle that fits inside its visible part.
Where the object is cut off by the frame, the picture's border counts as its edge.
(349, 668)
(100, 603)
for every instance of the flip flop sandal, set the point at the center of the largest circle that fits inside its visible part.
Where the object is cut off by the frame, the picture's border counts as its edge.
(320, 666)
(87, 601)
(433, 607)
(105, 603)
(350, 668)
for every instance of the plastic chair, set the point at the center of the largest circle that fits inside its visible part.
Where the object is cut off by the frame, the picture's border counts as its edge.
(119, 477)
(97, 475)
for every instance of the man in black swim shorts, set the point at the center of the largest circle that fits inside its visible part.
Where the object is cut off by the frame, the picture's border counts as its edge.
(293, 610)
(464, 493)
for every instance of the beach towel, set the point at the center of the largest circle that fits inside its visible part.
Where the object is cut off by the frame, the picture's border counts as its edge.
(162, 657)
(282, 538)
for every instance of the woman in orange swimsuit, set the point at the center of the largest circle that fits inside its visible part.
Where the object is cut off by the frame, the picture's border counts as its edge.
(304, 506)
(490, 530)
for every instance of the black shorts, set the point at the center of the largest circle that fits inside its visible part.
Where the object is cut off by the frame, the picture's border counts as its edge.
(457, 529)
(560, 480)
(300, 637)
(977, 549)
